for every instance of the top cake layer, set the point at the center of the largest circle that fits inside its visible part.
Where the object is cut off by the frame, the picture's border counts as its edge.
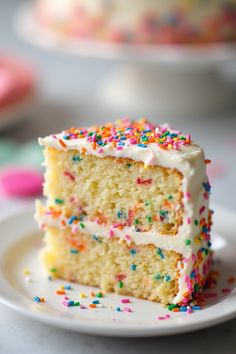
(140, 141)
(181, 172)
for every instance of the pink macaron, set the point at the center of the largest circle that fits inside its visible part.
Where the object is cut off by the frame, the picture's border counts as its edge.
(21, 182)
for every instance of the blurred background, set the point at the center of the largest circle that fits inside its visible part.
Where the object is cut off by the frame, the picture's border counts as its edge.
(62, 67)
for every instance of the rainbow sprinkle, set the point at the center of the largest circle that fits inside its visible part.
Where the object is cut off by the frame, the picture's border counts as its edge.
(125, 301)
(39, 299)
(125, 133)
(166, 317)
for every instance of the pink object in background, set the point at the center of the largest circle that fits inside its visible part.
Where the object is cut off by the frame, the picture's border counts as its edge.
(17, 80)
(216, 169)
(21, 182)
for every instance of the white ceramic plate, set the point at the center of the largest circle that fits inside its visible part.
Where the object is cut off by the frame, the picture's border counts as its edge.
(30, 29)
(20, 243)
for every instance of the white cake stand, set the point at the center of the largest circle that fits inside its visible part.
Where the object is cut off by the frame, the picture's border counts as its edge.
(166, 80)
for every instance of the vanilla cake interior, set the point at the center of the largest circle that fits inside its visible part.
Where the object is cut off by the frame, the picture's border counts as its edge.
(127, 210)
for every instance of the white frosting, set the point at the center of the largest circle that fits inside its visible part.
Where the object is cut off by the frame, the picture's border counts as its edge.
(189, 160)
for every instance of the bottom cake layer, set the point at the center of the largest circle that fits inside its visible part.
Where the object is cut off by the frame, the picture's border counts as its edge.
(113, 265)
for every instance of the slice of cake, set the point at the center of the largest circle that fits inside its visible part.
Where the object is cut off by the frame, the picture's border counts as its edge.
(127, 210)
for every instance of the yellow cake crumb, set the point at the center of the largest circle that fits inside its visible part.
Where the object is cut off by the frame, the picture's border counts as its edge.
(108, 265)
(111, 190)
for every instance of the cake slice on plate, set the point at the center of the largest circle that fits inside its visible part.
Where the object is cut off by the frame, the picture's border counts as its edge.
(127, 210)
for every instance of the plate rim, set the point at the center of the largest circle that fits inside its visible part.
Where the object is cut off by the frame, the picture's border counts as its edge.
(129, 330)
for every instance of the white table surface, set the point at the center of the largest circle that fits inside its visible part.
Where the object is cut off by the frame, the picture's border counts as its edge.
(64, 92)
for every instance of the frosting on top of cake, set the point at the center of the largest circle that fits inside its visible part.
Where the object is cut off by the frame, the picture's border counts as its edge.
(140, 140)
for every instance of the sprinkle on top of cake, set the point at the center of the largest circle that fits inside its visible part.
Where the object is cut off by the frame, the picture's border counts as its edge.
(128, 132)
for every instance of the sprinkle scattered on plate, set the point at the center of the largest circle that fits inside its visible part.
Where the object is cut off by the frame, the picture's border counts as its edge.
(26, 288)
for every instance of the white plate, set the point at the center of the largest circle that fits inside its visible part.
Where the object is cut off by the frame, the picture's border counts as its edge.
(200, 55)
(19, 246)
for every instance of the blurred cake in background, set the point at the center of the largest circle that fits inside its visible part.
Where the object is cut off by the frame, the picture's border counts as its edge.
(142, 21)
